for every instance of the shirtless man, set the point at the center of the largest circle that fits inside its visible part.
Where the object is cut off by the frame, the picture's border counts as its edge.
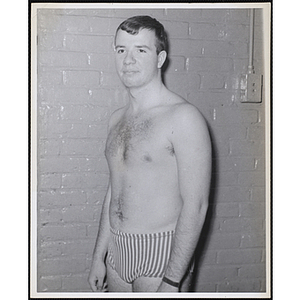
(159, 155)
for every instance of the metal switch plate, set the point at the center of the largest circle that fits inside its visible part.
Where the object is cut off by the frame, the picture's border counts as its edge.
(251, 88)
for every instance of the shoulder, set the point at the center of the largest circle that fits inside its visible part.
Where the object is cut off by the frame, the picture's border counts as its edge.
(186, 111)
(188, 125)
(116, 117)
(185, 114)
(180, 109)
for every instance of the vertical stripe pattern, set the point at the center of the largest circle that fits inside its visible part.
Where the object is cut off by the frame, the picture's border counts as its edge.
(136, 255)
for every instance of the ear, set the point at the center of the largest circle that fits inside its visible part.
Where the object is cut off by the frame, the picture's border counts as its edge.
(162, 56)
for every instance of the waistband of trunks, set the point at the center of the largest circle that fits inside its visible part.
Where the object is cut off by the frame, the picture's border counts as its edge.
(142, 235)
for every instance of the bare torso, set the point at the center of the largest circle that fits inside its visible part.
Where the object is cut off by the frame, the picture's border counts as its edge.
(144, 178)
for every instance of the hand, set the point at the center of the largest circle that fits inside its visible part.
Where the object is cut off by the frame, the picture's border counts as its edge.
(97, 275)
(167, 288)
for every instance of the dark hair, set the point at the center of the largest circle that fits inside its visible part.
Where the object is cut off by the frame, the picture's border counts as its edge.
(134, 24)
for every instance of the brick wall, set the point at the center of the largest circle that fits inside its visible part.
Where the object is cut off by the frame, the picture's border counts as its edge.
(78, 89)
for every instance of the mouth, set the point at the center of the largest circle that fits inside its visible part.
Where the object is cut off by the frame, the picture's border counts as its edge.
(129, 72)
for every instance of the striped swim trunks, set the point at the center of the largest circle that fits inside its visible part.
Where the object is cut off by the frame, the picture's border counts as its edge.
(136, 255)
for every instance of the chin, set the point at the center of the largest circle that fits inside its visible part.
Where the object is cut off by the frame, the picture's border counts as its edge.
(131, 83)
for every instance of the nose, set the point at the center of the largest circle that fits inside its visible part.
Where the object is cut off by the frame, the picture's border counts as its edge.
(129, 58)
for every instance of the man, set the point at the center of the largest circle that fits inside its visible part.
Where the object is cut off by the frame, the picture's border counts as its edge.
(159, 155)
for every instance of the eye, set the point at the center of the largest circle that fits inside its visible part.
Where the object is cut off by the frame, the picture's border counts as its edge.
(120, 51)
(141, 50)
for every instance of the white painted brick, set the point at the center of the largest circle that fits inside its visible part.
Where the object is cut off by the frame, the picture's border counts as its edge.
(110, 80)
(258, 194)
(242, 225)
(239, 285)
(96, 196)
(88, 43)
(232, 194)
(209, 64)
(207, 31)
(102, 96)
(181, 14)
(231, 163)
(63, 232)
(92, 230)
(82, 78)
(76, 283)
(177, 29)
(83, 147)
(252, 178)
(230, 131)
(227, 209)
(63, 59)
(63, 94)
(186, 47)
(63, 266)
(59, 197)
(256, 133)
(70, 164)
(216, 273)
(49, 146)
(63, 23)
(235, 115)
(51, 181)
(213, 81)
(253, 241)
(215, 15)
(101, 62)
(65, 130)
(181, 83)
(94, 113)
(176, 64)
(256, 209)
(50, 78)
(53, 215)
(211, 98)
(50, 40)
(84, 180)
(99, 25)
(239, 256)
(78, 247)
(237, 32)
(51, 249)
(49, 283)
(226, 178)
(239, 16)
(246, 147)
(78, 214)
(124, 13)
(221, 146)
(252, 271)
(225, 241)
(97, 131)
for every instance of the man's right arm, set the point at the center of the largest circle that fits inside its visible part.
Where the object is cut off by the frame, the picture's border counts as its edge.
(98, 268)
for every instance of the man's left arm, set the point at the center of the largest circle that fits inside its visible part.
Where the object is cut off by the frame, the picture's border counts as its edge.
(192, 147)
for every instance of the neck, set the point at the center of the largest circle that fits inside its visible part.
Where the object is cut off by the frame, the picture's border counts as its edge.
(145, 97)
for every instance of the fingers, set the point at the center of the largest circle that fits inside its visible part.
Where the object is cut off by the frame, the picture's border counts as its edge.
(94, 284)
(97, 286)
(105, 287)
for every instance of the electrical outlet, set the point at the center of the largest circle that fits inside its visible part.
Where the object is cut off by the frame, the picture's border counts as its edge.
(251, 88)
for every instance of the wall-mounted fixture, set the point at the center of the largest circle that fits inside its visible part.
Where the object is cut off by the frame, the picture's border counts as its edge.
(251, 84)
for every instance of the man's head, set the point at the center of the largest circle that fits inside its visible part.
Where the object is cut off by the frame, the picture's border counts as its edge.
(140, 53)
(134, 24)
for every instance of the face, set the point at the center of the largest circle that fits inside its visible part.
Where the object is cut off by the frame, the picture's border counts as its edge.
(137, 62)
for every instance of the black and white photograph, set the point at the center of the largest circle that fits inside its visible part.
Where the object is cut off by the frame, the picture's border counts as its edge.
(150, 150)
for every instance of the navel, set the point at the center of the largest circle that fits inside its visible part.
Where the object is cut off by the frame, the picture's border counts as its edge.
(147, 158)
(171, 150)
